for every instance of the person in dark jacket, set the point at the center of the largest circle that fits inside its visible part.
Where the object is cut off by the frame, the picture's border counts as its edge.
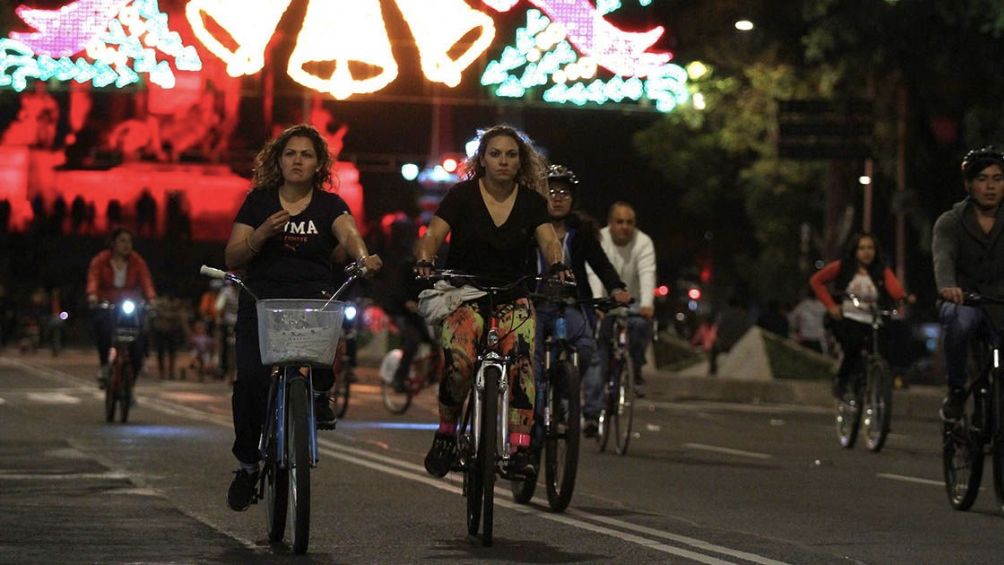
(968, 254)
(579, 237)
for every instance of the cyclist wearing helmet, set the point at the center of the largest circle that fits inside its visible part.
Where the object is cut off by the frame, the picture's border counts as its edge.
(579, 236)
(969, 257)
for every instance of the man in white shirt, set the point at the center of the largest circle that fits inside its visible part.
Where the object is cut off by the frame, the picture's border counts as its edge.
(632, 254)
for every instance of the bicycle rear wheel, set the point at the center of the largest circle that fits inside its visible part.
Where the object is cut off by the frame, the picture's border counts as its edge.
(395, 402)
(340, 392)
(878, 404)
(624, 411)
(562, 436)
(473, 489)
(276, 492)
(298, 460)
(487, 450)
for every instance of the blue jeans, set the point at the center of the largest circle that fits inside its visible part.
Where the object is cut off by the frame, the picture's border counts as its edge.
(579, 333)
(594, 379)
(960, 325)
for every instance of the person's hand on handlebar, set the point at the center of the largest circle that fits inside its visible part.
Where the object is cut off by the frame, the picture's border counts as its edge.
(560, 272)
(92, 300)
(835, 312)
(952, 294)
(423, 268)
(372, 263)
(621, 296)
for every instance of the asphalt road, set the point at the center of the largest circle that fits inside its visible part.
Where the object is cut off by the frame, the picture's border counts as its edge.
(703, 482)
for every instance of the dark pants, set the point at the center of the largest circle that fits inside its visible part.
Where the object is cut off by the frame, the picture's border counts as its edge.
(413, 331)
(853, 337)
(104, 331)
(960, 325)
(250, 397)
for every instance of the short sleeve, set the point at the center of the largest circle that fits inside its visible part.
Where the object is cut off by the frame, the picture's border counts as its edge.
(451, 207)
(250, 211)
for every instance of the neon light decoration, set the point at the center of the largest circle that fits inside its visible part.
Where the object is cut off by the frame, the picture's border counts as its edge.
(121, 39)
(344, 32)
(543, 57)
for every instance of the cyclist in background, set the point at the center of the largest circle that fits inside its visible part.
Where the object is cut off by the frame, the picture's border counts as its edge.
(579, 237)
(283, 236)
(116, 274)
(969, 256)
(632, 254)
(863, 272)
(495, 218)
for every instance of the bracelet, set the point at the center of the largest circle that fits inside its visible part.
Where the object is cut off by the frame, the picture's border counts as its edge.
(247, 240)
(424, 263)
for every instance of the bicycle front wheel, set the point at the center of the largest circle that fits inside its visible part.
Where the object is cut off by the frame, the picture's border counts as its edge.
(395, 402)
(276, 492)
(878, 404)
(111, 391)
(562, 436)
(126, 381)
(849, 417)
(487, 450)
(298, 461)
(624, 397)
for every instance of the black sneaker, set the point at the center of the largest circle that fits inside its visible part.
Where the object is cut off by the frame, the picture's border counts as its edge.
(441, 455)
(953, 406)
(521, 463)
(400, 386)
(242, 489)
(639, 386)
(324, 414)
(591, 428)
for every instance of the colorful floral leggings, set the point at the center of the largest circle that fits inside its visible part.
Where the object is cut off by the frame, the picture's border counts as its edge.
(462, 331)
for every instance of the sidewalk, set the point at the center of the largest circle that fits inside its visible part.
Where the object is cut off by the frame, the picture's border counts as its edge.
(916, 402)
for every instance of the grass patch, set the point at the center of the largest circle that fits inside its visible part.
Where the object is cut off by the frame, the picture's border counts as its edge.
(792, 361)
(674, 354)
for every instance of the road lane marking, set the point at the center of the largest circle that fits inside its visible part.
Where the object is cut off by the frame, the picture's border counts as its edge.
(52, 398)
(728, 451)
(416, 473)
(908, 479)
(21, 476)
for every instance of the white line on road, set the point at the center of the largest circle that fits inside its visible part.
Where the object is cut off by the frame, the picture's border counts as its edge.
(728, 451)
(111, 475)
(52, 398)
(908, 479)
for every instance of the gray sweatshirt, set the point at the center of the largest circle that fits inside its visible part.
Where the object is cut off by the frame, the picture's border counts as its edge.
(965, 256)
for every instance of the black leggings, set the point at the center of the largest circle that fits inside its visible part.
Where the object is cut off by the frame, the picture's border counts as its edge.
(853, 337)
(250, 397)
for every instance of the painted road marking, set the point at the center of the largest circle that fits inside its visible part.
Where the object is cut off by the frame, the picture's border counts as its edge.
(728, 451)
(52, 398)
(908, 479)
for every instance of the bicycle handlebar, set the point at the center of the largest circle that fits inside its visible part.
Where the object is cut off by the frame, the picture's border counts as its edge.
(977, 299)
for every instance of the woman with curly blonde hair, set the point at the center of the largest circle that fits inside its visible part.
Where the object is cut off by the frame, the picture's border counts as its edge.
(497, 219)
(283, 237)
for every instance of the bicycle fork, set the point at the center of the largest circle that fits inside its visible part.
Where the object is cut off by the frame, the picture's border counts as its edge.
(492, 359)
(279, 412)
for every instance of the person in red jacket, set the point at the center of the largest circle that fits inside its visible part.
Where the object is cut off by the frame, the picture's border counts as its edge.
(863, 273)
(116, 274)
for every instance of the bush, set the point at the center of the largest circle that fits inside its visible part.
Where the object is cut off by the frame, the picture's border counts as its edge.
(674, 354)
(789, 360)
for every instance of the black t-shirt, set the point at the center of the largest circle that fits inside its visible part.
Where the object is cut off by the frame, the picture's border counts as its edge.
(478, 246)
(297, 262)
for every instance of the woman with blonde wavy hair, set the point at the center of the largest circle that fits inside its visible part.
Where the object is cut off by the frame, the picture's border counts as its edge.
(497, 219)
(283, 237)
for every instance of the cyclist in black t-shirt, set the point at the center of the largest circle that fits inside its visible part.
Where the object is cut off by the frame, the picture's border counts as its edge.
(283, 236)
(495, 218)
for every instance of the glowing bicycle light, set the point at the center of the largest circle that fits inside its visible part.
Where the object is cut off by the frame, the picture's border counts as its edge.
(350, 312)
(128, 307)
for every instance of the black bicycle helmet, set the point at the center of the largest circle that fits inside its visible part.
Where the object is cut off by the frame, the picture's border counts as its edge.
(978, 159)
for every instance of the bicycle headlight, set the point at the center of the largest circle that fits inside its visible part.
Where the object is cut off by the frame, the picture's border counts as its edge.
(350, 312)
(128, 307)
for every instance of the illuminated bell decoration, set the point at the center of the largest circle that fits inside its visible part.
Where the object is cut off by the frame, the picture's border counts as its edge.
(343, 32)
(437, 26)
(67, 30)
(250, 23)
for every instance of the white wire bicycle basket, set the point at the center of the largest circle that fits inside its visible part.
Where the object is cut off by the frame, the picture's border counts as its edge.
(294, 331)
